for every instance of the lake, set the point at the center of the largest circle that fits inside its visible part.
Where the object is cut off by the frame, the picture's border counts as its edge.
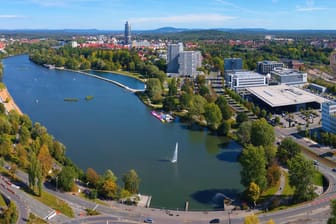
(116, 131)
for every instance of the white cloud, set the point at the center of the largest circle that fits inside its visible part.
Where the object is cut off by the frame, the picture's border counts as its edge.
(235, 6)
(309, 6)
(183, 19)
(9, 16)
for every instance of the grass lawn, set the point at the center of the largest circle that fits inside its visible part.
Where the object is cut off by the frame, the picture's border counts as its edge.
(318, 179)
(35, 220)
(55, 203)
(2, 201)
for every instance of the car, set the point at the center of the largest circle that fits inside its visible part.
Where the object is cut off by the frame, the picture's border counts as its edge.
(215, 221)
(148, 220)
(315, 162)
(333, 169)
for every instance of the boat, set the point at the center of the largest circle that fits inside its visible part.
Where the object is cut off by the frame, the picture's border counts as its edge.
(163, 117)
(174, 159)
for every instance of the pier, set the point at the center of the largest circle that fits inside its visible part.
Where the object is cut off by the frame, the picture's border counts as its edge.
(108, 80)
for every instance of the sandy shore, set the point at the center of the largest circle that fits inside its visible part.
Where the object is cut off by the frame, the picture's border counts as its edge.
(8, 101)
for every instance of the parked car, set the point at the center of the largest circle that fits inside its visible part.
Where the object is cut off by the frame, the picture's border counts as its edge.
(215, 221)
(148, 220)
(333, 169)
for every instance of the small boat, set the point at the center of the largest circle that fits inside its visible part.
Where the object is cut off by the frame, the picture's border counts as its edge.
(163, 117)
(174, 159)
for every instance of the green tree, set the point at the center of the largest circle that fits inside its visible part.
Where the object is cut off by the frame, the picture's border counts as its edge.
(212, 115)
(301, 173)
(24, 135)
(253, 193)
(273, 175)
(253, 164)
(196, 107)
(172, 87)
(10, 214)
(65, 180)
(224, 128)
(241, 117)
(131, 181)
(244, 133)
(262, 134)
(224, 107)
(287, 150)
(154, 89)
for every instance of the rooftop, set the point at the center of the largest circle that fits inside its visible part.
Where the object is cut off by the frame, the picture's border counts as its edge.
(286, 72)
(244, 74)
(284, 95)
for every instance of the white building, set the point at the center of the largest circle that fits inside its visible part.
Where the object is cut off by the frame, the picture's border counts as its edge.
(74, 44)
(289, 76)
(242, 79)
(329, 116)
(188, 62)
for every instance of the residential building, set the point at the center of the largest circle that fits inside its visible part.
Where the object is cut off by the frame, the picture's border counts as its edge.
(188, 62)
(242, 79)
(329, 116)
(173, 52)
(128, 38)
(233, 64)
(265, 67)
(333, 61)
(288, 76)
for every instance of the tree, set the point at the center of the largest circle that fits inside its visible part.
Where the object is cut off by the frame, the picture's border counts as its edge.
(251, 219)
(224, 128)
(108, 189)
(212, 115)
(270, 221)
(154, 89)
(24, 135)
(270, 153)
(65, 180)
(172, 87)
(253, 193)
(253, 164)
(224, 107)
(332, 219)
(131, 181)
(301, 173)
(197, 106)
(244, 133)
(45, 159)
(273, 175)
(241, 117)
(262, 134)
(287, 150)
(10, 214)
(92, 177)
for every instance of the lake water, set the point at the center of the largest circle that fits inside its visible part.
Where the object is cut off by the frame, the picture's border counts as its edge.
(116, 131)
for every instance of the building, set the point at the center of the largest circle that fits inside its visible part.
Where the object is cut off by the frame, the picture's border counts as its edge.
(188, 62)
(242, 79)
(329, 116)
(281, 98)
(295, 64)
(128, 38)
(265, 67)
(233, 64)
(317, 88)
(333, 61)
(289, 76)
(173, 52)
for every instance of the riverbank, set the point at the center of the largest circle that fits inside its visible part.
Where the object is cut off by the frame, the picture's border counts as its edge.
(8, 101)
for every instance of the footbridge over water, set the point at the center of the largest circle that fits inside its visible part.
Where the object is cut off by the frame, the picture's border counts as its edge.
(110, 80)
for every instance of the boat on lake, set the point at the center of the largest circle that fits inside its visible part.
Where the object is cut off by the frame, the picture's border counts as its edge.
(163, 117)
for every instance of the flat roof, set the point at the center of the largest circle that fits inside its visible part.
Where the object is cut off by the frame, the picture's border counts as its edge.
(284, 95)
(244, 74)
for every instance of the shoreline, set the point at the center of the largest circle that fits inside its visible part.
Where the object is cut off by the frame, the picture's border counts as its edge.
(8, 101)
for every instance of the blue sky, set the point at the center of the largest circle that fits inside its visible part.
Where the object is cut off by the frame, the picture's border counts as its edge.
(152, 14)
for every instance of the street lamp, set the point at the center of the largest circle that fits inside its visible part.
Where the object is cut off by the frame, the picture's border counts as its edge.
(229, 212)
(56, 182)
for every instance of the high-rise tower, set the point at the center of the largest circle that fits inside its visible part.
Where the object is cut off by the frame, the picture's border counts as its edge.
(127, 33)
(173, 52)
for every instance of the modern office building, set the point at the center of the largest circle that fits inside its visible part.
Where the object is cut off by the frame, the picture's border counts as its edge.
(242, 79)
(233, 64)
(265, 67)
(288, 76)
(188, 62)
(173, 52)
(329, 116)
(128, 38)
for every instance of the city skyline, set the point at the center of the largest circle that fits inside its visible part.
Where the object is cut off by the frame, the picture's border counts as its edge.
(153, 14)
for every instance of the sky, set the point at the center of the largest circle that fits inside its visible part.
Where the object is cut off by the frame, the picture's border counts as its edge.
(153, 14)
